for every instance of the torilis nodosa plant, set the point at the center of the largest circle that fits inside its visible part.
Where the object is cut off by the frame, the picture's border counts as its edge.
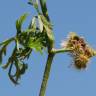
(39, 36)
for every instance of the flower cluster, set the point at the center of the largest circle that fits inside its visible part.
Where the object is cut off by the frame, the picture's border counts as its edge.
(81, 51)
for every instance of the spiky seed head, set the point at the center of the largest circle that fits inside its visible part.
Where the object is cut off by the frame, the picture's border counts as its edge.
(81, 52)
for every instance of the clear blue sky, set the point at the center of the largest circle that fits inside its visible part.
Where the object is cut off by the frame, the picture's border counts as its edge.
(66, 15)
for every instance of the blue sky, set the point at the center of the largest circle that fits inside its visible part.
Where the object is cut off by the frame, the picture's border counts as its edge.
(66, 16)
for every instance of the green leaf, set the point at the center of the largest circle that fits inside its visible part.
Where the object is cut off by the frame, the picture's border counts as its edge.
(40, 23)
(35, 44)
(4, 45)
(33, 24)
(11, 76)
(34, 4)
(0, 58)
(7, 65)
(20, 69)
(6, 42)
(13, 80)
(2, 52)
(22, 18)
(18, 27)
(17, 44)
(19, 22)
(23, 69)
(48, 27)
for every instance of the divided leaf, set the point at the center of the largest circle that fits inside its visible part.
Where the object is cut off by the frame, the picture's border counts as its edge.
(34, 38)
(20, 67)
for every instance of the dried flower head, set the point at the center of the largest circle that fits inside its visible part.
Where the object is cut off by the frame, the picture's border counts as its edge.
(81, 52)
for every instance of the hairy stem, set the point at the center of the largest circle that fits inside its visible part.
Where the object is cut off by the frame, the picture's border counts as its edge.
(46, 74)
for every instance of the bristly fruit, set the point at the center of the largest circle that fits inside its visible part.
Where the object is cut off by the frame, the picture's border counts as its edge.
(81, 52)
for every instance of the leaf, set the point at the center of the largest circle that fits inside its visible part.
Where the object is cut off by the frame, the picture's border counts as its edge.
(0, 58)
(34, 4)
(6, 42)
(2, 52)
(22, 18)
(37, 45)
(4, 45)
(20, 69)
(6, 65)
(24, 53)
(18, 27)
(17, 44)
(13, 80)
(11, 76)
(47, 25)
(23, 69)
(40, 23)
(19, 22)
(33, 23)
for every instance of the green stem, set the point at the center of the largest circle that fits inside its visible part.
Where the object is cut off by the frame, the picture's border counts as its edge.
(48, 68)
(62, 50)
(45, 13)
(46, 74)
(44, 9)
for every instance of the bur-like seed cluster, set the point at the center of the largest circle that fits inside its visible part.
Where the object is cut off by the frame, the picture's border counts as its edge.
(81, 51)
